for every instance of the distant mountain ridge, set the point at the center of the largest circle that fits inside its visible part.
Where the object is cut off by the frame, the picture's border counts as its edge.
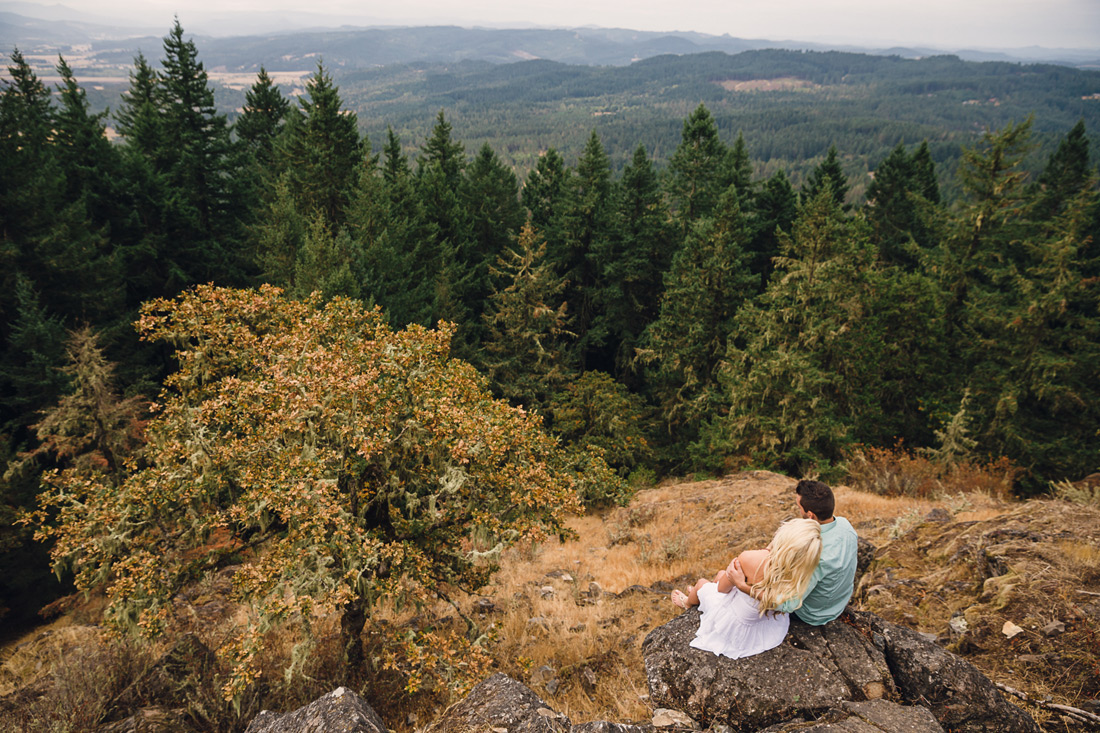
(272, 36)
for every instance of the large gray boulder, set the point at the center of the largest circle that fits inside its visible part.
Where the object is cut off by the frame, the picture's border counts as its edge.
(961, 697)
(500, 704)
(818, 669)
(340, 711)
(814, 670)
(872, 716)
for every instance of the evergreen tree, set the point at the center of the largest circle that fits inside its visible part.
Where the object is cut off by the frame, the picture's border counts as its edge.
(197, 153)
(88, 161)
(797, 364)
(707, 284)
(90, 428)
(327, 263)
(696, 169)
(829, 174)
(490, 196)
(1066, 172)
(585, 249)
(31, 185)
(775, 211)
(739, 171)
(902, 219)
(48, 180)
(985, 242)
(924, 173)
(138, 119)
(1025, 311)
(30, 368)
(320, 151)
(149, 264)
(438, 184)
(546, 195)
(265, 111)
(399, 243)
(278, 235)
(526, 353)
(632, 270)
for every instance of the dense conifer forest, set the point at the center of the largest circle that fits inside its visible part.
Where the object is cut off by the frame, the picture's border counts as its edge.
(699, 311)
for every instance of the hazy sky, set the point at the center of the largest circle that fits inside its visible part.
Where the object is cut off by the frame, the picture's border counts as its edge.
(946, 23)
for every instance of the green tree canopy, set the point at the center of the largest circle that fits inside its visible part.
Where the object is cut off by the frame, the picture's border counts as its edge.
(361, 464)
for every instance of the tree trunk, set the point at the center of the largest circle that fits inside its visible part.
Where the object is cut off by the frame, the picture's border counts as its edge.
(351, 630)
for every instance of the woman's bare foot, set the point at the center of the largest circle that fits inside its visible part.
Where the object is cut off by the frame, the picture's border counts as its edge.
(680, 599)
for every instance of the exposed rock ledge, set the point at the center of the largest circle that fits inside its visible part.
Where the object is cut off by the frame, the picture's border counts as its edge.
(858, 674)
(856, 658)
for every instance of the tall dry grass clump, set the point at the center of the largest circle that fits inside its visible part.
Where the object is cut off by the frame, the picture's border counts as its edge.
(899, 471)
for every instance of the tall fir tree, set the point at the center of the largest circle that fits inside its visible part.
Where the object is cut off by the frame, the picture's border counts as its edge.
(704, 289)
(199, 160)
(775, 211)
(1024, 312)
(797, 358)
(490, 196)
(264, 113)
(399, 243)
(320, 151)
(546, 194)
(585, 249)
(697, 169)
(527, 354)
(32, 359)
(633, 268)
(138, 118)
(903, 221)
(739, 171)
(438, 185)
(828, 174)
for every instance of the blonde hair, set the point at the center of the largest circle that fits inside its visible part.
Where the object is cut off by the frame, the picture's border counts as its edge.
(795, 550)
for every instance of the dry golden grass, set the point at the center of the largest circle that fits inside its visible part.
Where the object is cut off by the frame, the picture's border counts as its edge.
(668, 536)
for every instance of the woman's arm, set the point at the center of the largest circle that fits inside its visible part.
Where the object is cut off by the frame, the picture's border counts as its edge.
(747, 569)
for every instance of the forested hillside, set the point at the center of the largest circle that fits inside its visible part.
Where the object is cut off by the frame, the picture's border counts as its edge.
(696, 308)
(791, 106)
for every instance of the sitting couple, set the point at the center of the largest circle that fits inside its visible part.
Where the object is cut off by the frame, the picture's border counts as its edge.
(808, 569)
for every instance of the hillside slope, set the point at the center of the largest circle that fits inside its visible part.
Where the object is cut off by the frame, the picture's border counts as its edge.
(568, 619)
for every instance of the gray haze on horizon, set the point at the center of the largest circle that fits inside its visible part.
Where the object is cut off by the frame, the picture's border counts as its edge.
(972, 24)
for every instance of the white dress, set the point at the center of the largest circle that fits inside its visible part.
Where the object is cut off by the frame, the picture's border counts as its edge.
(732, 626)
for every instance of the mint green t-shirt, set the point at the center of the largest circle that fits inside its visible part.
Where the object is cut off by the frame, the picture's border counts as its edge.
(831, 584)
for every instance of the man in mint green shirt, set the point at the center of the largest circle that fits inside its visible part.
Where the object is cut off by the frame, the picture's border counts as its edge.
(832, 582)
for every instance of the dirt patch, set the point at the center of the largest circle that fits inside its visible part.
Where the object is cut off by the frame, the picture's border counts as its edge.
(782, 84)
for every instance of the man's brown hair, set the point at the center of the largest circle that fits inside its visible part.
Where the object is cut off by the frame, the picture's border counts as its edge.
(816, 497)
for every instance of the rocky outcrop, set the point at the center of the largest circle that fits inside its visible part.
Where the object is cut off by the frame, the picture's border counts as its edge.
(834, 672)
(602, 726)
(959, 695)
(340, 711)
(873, 716)
(814, 670)
(501, 705)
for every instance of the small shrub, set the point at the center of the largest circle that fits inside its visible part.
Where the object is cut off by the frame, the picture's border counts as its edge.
(641, 515)
(1083, 492)
(642, 477)
(595, 410)
(904, 523)
(598, 486)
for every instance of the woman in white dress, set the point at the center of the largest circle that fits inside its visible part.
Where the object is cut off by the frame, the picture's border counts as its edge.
(735, 624)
